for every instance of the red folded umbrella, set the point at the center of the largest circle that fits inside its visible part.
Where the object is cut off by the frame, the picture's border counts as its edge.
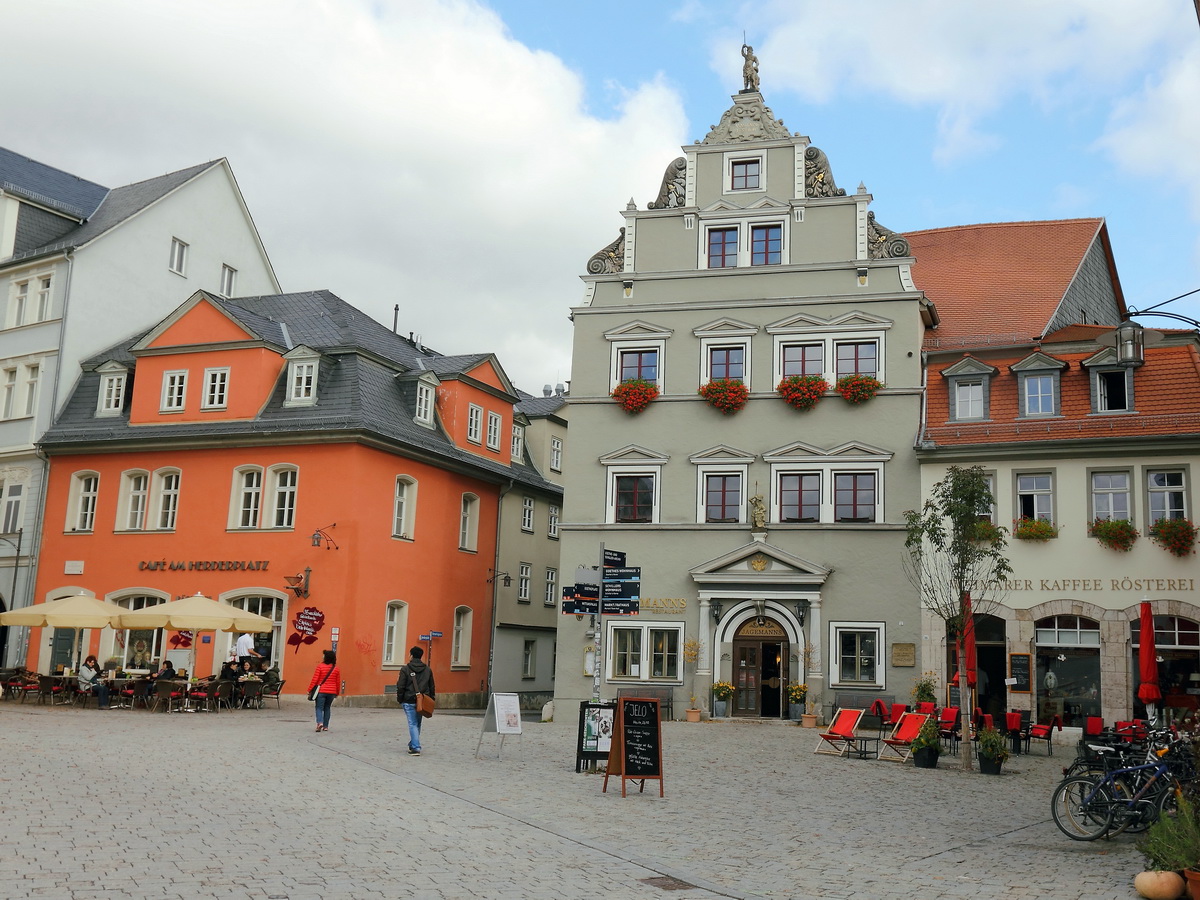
(969, 639)
(1148, 691)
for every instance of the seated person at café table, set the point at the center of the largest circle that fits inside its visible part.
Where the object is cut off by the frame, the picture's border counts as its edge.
(90, 680)
(167, 671)
(271, 676)
(229, 671)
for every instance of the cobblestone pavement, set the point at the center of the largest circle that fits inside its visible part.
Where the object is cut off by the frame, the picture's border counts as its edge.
(129, 804)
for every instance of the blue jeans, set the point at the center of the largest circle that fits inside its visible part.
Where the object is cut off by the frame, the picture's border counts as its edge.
(414, 726)
(101, 691)
(324, 702)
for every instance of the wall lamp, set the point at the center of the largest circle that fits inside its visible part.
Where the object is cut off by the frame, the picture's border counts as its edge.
(505, 578)
(1131, 338)
(800, 613)
(321, 535)
(716, 610)
(298, 584)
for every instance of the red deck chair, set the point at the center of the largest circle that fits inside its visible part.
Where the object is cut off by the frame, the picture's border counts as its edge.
(1044, 732)
(839, 737)
(897, 747)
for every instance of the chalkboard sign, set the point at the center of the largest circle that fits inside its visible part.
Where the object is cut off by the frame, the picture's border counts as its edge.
(1018, 670)
(953, 696)
(636, 752)
(595, 733)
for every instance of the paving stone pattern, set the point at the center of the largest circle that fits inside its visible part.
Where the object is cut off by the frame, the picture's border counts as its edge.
(128, 804)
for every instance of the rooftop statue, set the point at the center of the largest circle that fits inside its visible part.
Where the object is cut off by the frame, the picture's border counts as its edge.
(749, 68)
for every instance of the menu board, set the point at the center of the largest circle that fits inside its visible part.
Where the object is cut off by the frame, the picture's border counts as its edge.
(636, 752)
(594, 740)
(1018, 670)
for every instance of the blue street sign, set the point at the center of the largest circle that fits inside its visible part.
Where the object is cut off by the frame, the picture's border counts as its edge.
(435, 634)
(422, 637)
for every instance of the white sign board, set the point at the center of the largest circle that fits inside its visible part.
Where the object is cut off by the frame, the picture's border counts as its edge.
(503, 717)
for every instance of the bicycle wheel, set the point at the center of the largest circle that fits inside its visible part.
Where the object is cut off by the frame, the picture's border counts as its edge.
(1082, 809)
(1129, 815)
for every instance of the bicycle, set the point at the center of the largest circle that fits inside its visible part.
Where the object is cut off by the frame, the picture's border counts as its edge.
(1130, 798)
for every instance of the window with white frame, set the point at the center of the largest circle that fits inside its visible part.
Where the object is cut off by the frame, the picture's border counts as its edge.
(1037, 385)
(744, 173)
(44, 306)
(494, 423)
(166, 498)
(1035, 496)
(527, 505)
(804, 345)
(721, 496)
(808, 485)
(33, 372)
(722, 247)
(529, 660)
(1165, 494)
(552, 528)
(474, 423)
(766, 245)
(968, 399)
(550, 596)
(468, 522)
(174, 391)
(644, 652)
(517, 445)
(633, 496)
(302, 382)
(14, 491)
(9, 403)
(20, 305)
(112, 394)
(856, 358)
(637, 350)
(1112, 390)
(228, 279)
(284, 480)
(460, 644)
(524, 577)
(404, 507)
(216, 388)
(1110, 495)
(425, 395)
(135, 493)
(747, 241)
(248, 483)
(178, 263)
(857, 653)
(395, 632)
(556, 452)
(85, 489)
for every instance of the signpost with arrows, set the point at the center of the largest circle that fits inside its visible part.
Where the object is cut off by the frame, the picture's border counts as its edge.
(614, 590)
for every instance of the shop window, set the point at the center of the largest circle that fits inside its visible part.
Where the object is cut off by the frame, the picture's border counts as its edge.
(138, 648)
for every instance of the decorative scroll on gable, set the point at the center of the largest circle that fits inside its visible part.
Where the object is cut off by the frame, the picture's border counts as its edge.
(818, 178)
(883, 243)
(674, 186)
(609, 260)
(747, 120)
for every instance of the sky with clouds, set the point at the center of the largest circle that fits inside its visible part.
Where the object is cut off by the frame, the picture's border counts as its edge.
(463, 158)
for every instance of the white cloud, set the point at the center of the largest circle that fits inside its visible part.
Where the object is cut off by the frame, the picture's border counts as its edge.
(394, 153)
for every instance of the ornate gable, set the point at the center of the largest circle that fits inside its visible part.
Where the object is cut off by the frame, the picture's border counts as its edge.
(749, 119)
(633, 454)
(763, 562)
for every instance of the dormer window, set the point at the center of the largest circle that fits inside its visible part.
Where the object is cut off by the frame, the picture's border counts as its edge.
(174, 391)
(216, 388)
(424, 404)
(302, 374)
(1111, 383)
(1037, 380)
(744, 174)
(969, 383)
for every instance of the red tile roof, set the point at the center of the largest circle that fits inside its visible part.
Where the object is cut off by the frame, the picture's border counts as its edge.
(1003, 280)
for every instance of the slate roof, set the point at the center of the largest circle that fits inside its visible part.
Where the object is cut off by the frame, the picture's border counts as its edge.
(538, 407)
(359, 394)
(1004, 281)
(118, 205)
(49, 186)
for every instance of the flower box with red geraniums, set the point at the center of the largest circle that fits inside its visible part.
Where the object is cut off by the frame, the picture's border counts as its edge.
(1177, 536)
(802, 391)
(726, 394)
(858, 388)
(635, 394)
(1115, 534)
(1027, 529)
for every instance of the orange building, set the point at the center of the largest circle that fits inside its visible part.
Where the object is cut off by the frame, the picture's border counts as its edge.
(286, 455)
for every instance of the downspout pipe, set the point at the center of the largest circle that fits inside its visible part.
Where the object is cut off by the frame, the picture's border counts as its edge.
(496, 581)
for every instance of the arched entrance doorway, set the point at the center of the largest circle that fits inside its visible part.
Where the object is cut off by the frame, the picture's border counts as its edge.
(761, 654)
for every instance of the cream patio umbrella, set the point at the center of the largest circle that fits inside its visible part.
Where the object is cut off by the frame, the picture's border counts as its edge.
(195, 613)
(78, 611)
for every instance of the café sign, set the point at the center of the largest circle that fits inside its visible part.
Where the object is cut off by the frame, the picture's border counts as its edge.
(203, 565)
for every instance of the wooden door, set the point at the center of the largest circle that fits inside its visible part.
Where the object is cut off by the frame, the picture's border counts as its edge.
(747, 677)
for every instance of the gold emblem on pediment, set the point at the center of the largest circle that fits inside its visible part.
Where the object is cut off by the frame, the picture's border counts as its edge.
(759, 562)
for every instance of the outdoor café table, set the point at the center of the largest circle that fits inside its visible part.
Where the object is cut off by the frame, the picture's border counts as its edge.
(1012, 721)
(863, 746)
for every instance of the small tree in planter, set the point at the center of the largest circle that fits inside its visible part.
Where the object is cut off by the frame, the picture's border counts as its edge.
(1039, 530)
(635, 394)
(802, 391)
(993, 751)
(858, 388)
(726, 394)
(1115, 534)
(927, 745)
(1176, 536)
(925, 689)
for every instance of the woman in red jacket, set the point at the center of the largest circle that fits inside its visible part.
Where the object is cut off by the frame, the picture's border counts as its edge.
(326, 679)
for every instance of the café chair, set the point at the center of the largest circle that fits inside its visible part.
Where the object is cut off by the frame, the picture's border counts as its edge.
(168, 693)
(204, 696)
(898, 746)
(1093, 726)
(51, 690)
(926, 708)
(1043, 733)
(949, 727)
(136, 692)
(272, 690)
(252, 694)
(224, 695)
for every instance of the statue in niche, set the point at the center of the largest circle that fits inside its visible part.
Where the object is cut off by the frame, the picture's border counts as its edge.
(749, 68)
(758, 512)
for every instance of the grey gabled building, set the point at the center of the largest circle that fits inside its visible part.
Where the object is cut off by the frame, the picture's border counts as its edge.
(769, 538)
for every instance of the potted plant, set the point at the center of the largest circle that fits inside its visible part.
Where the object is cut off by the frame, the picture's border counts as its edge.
(634, 394)
(797, 694)
(858, 388)
(722, 691)
(726, 394)
(1177, 536)
(925, 689)
(802, 391)
(1172, 844)
(1029, 529)
(993, 751)
(691, 655)
(927, 745)
(808, 718)
(1115, 534)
